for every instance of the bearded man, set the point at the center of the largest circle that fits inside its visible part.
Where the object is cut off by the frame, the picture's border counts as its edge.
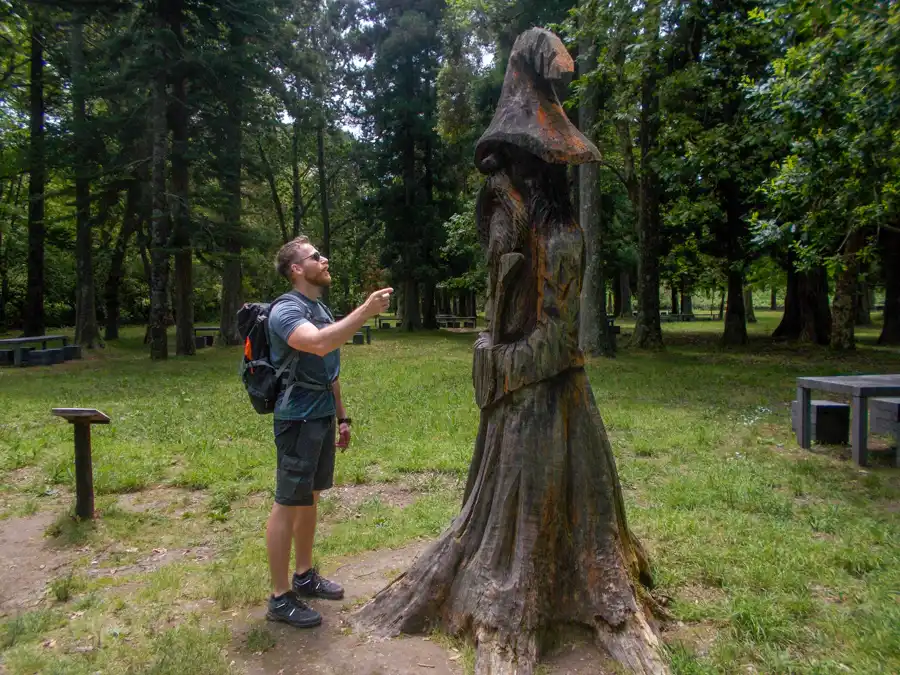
(309, 406)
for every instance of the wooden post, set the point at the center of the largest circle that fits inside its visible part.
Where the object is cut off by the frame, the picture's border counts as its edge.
(859, 435)
(804, 425)
(84, 477)
(82, 419)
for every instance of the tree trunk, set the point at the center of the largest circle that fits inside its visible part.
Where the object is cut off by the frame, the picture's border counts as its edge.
(87, 331)
(647, 329)
(296, 192)
(181, 217)
(625, 286)
(323, 193)
(398, 300)
(722, 305)
(232, 270)
(673, 289)
(617, 295)
(130, 225)
(12, 199)
(542, 521)
(843, 315)
(273, 190)
(748, 305)
(4, 284)
(890, 263)
(429, 313)
(159, 233)
(806, 316)
(773, 300)
(862, 307)
(592, 335)
(34, 303)
(412, 318)
(687, 302)
(735, 332)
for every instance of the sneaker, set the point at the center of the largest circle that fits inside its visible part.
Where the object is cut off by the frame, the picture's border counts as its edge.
(292, 610)
(313, 585)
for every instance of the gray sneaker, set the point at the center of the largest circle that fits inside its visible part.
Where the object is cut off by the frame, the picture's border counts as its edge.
(314, 585)
(290, 609)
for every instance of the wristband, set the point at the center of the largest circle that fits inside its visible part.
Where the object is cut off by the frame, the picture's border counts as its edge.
(345, 420)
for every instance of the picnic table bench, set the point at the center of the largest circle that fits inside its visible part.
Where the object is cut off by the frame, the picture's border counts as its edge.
(860, 388)
(201, 341)
(19, 353)
(453, 321)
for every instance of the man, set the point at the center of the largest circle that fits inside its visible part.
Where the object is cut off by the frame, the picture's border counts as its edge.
(305, 425)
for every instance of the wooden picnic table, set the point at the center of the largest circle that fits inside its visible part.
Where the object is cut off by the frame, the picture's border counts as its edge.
(860, 388)
(18, 344)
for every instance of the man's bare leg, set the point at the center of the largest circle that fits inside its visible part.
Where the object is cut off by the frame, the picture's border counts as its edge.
(279, 532)
(308, 583)
(305, 535)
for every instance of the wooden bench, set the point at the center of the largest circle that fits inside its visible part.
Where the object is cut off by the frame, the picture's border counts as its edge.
(453, 321)
(830, 421)
(71, 352)
(208, 339)
(363, 336)
(46, 357)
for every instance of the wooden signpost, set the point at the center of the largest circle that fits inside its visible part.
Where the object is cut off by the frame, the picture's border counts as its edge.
(82, 419)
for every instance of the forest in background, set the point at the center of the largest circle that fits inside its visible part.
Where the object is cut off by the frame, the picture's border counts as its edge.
(155, 155)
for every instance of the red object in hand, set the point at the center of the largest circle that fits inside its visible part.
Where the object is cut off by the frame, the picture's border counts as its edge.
(343, 436)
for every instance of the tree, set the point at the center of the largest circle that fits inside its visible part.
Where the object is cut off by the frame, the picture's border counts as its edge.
(34, 314)
(159, 225)
(180, 201)
(834, 97)
(87, 331)
(542, 517)
(402, 110)
(593, 332)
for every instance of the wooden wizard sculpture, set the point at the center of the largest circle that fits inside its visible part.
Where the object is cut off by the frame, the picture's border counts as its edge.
(541, 543)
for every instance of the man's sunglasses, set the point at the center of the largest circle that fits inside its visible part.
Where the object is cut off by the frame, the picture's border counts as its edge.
(315, 256)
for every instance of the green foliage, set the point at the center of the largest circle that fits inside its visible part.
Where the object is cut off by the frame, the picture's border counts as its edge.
(833, 98)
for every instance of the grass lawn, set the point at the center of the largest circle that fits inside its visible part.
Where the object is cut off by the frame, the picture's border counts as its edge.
(773, 558)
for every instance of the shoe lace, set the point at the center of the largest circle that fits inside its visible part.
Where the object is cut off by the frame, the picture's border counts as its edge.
(298, 602)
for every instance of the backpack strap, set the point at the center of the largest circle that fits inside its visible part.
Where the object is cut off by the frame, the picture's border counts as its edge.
(291, 360)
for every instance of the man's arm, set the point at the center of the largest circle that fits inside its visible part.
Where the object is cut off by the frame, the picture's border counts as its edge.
(338, 403)
(343, 428)
(307, 338)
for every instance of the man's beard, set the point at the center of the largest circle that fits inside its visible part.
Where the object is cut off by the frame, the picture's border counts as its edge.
(322, 279)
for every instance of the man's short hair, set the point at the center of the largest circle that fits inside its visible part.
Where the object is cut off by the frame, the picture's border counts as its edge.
(287, 256)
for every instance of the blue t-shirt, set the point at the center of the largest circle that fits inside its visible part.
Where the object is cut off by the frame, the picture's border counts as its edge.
(303, 403)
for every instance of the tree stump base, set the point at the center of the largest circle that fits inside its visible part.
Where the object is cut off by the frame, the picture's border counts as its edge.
(541, 543)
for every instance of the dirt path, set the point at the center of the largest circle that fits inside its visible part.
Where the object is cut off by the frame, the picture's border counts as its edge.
(332, 650)
(28, 561)
(329, 649)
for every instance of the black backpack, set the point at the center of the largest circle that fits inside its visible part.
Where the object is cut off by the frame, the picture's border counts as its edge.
(261, 380)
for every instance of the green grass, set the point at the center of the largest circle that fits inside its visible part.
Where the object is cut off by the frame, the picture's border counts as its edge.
(787, 560)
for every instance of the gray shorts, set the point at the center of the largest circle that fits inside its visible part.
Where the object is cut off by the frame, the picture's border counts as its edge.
(305, 459)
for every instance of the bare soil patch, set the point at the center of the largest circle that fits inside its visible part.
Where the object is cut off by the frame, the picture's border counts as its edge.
(28, 561)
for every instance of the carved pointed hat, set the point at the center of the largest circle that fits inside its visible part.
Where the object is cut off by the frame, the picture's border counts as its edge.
(529, 114)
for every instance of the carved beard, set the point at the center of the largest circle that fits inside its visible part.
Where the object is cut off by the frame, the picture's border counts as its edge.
(504, 223)
(502, 216)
